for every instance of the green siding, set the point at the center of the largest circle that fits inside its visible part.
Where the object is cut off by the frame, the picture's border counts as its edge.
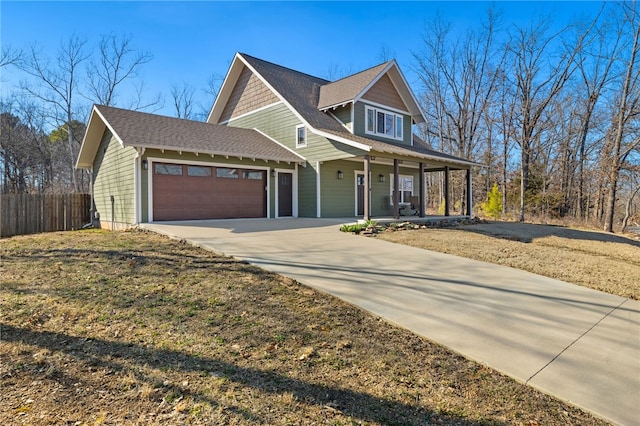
(207, 159)
(344, 115)
(307, 200)
(339, 195)
(113, 175)
(280, 124)
(360, 120)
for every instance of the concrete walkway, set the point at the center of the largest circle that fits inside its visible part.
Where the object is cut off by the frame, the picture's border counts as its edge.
(579, 345)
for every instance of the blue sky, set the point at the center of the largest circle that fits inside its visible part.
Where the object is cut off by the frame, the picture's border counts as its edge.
(191, 40)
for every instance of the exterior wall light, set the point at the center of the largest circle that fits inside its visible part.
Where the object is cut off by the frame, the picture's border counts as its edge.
(381, 177)
(273, 173)
(145, 164)
(340, 174)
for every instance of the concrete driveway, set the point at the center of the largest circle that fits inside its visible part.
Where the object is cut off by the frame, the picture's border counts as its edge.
(580, 345)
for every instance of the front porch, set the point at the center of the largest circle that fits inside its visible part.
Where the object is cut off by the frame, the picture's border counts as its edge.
(396, 188)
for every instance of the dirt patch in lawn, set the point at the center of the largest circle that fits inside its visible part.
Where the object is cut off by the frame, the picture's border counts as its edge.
(134, 328)
(597, 260)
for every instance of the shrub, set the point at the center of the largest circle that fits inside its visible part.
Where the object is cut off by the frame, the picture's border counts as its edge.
(493, 206)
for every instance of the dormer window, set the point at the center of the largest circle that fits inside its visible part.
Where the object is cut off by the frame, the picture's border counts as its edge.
(383, 123)
(301, 136)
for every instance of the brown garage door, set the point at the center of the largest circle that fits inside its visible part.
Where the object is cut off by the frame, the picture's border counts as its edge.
(189, 192)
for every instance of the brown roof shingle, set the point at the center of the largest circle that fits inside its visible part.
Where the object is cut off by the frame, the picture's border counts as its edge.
(146, 130)
(346, 89)
(302, 92)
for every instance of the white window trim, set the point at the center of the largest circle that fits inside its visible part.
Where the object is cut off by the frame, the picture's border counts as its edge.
(301, 145)
(391, 182)
(376, 110)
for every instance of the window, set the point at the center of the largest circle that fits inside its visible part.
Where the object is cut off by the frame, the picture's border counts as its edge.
(225, 173)
(252, 175)
(198, 171)
(406, 189)
(169, 169)
(301, 136)
(383, 123)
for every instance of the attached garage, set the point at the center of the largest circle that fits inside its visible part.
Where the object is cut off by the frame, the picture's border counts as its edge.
(192, 192)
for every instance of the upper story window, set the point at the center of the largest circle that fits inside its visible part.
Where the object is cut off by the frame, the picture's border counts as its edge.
(383, 123)
(301, 136)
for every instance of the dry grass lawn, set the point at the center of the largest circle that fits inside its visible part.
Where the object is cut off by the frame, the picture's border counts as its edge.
(593, 259)
(134, 328)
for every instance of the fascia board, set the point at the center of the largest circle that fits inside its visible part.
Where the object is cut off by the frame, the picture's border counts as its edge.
(340, 139)
(219, 153)
(225, 90)
(393, 64)
(90, 151)
(283, 146)
(410, 92)
(373, 81)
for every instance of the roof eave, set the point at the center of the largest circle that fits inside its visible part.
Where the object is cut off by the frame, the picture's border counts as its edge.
(296, 159)
(225, 90)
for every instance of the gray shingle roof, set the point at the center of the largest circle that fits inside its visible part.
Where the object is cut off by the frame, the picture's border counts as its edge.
(141, 129)
(302, 92)
(346, 89)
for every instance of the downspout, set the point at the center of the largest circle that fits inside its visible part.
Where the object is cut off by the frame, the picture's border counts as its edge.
(92, 206)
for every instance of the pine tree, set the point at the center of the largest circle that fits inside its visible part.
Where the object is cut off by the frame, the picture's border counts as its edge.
(493, 206)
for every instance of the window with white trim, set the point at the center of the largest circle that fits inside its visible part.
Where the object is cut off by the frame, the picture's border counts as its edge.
(406, 188)
(301, 136)
(380, 122)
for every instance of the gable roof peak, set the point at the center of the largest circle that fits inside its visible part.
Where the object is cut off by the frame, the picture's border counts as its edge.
(369, 70)
(350, 88)
(252, 59)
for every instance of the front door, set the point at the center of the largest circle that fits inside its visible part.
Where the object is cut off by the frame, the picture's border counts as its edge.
(285, 194)
(360, 194)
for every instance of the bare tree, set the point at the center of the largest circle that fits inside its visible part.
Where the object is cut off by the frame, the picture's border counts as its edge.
(459, 80)
(10, 56)
(622, 143)
(57, 85)
(183, 100)
(117, 62)
(211, 94)
(538, 79)
(634, 180)
(595, 64)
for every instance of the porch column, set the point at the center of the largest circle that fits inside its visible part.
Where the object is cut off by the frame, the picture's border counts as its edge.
(367, 187)
(421, 189)
(469, 194)
(446, 190)
(396, 185)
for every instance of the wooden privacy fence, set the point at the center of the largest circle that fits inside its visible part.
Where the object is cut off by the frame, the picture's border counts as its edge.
(31, 213)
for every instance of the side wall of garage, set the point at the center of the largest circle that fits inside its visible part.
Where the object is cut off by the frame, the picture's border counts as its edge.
(114, 183)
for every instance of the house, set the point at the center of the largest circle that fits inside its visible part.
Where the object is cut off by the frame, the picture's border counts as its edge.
(277, 143)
